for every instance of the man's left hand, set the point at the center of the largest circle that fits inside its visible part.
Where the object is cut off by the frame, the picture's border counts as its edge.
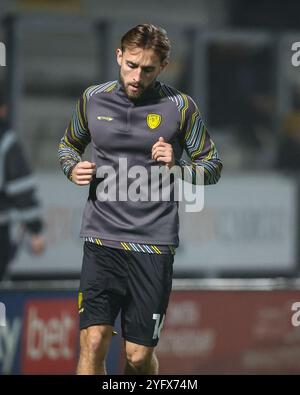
(163, 152)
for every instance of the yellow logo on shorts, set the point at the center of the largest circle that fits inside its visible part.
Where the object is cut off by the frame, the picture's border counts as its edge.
(80, 298)
(153, 120)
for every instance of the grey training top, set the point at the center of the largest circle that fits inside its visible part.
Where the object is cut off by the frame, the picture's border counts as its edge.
(121, 129)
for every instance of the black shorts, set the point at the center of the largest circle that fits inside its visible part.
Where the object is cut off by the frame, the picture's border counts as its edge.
(137, 284)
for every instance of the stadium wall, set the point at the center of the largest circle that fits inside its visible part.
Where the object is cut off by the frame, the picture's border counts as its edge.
(212, 327)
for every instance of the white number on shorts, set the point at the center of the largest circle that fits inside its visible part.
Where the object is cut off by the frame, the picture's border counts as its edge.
(158, 327)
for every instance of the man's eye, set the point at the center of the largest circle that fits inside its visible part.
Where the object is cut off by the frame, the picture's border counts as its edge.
(150, 70)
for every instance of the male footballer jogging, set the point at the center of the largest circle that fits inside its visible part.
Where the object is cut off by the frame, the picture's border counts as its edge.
(130, 243)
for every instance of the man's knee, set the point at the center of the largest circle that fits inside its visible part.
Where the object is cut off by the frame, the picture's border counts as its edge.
(140, 356)
(96, 339)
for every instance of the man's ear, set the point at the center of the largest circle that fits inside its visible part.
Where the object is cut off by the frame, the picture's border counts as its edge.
(119, 55)
(163, 65)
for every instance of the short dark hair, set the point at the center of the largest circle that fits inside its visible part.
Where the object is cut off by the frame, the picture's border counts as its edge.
(148, 36)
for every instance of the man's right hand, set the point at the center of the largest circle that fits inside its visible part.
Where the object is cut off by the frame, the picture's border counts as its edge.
(83, 172)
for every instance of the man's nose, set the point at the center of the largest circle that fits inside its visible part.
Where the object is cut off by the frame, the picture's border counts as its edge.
(137, 75)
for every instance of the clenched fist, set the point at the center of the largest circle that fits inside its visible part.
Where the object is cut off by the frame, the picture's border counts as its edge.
(163, 152)
(83, 172)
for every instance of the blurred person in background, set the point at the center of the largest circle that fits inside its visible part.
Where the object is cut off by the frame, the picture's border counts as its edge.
(289, 145)
(129, 245)
(17, 194)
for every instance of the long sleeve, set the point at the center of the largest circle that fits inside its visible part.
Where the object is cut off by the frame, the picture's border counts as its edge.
(75, 139)
(19, 185)
(195, 140)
